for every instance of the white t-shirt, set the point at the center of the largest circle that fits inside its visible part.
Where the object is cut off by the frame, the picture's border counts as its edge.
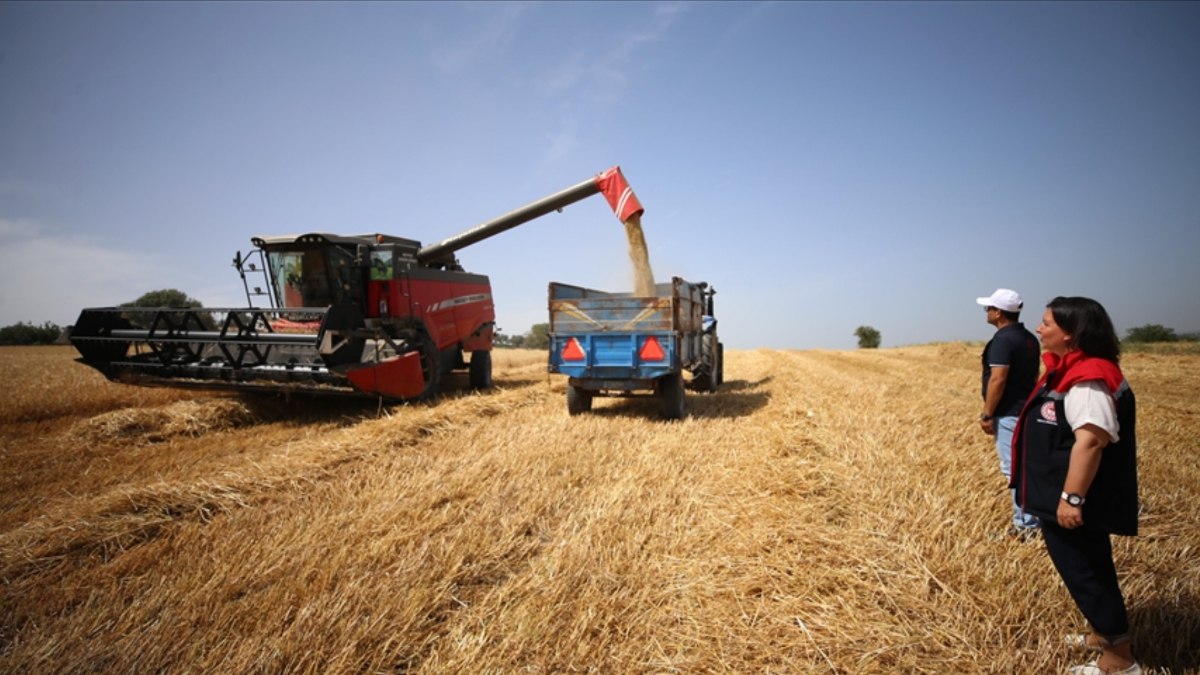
(1090, 403)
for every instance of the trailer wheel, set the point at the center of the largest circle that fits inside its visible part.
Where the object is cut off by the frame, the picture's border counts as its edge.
(579, 400)
(481, 370)
(670, 389)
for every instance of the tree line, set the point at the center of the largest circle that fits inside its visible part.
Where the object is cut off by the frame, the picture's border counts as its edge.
(870, 338)
(49, 333)
(537, 337)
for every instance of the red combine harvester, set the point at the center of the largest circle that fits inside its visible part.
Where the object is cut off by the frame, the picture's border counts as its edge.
(372, 315)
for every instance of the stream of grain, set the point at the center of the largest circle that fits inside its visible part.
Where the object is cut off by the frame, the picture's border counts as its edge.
(639, 255)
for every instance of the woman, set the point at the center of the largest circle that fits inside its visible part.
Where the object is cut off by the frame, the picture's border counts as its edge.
(1075, 468)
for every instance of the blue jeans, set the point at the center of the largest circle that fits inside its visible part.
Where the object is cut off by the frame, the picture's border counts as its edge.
(1005, 426)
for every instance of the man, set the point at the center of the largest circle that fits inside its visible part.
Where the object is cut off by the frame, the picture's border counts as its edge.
(1010, 372)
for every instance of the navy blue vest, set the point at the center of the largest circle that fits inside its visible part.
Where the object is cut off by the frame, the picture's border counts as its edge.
(1047, 438)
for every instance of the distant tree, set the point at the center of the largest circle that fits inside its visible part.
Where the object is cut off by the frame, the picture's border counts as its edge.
(538, 337)
(167, 297)
(170, 298)
(1151, 332)
(868, 337)
(504, 340)
(28, 334)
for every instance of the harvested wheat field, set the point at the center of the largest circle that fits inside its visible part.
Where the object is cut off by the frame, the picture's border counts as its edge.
(826, 512)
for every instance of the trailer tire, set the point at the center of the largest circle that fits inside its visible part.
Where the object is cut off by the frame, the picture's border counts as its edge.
(579, 400)
(480, 374)
(670, 390)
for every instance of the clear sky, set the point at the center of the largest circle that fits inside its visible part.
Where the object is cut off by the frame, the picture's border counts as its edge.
(823, 165)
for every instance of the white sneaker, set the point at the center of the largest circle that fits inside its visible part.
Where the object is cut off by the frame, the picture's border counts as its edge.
(1080, 641)
(1093, 668)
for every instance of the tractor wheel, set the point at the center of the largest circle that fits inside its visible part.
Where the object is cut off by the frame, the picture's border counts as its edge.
(706, 378)
(670, 389)
(579, 400)
(720, 364)
(481, 370)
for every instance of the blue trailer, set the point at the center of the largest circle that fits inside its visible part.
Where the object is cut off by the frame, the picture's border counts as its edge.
(621, 344)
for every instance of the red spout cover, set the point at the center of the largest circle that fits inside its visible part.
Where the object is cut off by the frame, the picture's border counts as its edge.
(618, 193)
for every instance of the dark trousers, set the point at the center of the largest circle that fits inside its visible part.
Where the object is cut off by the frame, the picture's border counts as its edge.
(1084, 560)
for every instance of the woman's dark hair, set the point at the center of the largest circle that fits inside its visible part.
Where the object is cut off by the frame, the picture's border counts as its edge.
(1088, 325)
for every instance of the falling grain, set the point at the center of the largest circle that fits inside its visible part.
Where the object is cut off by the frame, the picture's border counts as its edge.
(639, 256)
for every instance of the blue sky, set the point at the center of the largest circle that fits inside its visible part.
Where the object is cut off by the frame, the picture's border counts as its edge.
(823, 165)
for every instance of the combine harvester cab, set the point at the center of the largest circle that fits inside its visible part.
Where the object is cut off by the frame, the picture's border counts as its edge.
(371, 314)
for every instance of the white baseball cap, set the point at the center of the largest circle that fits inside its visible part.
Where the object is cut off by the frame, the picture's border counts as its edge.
(1003, 298)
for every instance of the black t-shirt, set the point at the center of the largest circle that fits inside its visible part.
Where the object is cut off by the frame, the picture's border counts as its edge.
(1017, 348)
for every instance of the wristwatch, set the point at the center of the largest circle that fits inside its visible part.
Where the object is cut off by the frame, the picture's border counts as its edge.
(984, 417)
(1073, 499)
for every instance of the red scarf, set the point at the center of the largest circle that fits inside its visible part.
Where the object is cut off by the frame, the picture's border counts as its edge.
(1075, 367)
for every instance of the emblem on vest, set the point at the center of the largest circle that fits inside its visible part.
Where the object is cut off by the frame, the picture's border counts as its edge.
(1048, 414)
